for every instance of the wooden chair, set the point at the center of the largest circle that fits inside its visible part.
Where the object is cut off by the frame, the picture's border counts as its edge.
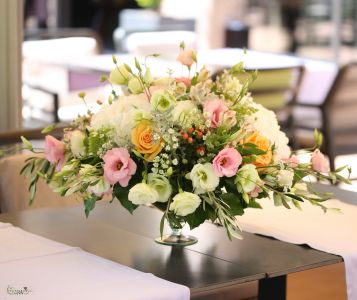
(336, 117)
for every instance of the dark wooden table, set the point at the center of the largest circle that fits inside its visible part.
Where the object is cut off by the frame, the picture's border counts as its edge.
(212, 264)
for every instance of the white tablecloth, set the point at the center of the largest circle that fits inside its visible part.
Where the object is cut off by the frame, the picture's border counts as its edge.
(33, 267)
(331, 232)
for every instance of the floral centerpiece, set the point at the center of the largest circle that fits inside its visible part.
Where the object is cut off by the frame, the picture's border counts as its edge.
(196, 148)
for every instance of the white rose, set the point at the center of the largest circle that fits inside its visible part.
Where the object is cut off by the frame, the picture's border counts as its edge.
(203, 177)
(161, 185)
(265, 122)
(247, 178)
(182, 111)
(285, 178)
(142, 193)
(77, 138)
(185, 203)
(100, 188)
(121, 115)
(162, 101)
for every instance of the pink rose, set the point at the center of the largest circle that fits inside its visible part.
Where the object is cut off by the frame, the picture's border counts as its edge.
(54, 151)
(186, 57)
(319, 162)
(118, 166)
(226, 162)
(215, 109)
(185, 80)
(292, 161)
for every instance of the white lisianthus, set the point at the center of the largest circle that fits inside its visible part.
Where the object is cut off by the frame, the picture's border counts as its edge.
(135, 85)
(120, 75)
(203, 177)
(285, 178)
(77, 138)
(185, 203)
(265, 122)
(100, 188)
(162, 101)
(143, 193)
(161, 185)
(121, 115)
(247, 178)
(182, 111)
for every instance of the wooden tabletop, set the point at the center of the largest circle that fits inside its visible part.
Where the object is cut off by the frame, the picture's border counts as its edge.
(214, 262)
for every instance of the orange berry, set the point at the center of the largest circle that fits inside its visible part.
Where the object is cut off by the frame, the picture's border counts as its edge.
(185, 136)
(190, 130)
(190, 140)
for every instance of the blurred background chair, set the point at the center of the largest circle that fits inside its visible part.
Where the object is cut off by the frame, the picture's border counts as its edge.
(14, 192)
(335, 117)
(48, 84)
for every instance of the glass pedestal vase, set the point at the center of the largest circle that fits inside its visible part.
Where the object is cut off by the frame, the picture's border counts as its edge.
(176, 238)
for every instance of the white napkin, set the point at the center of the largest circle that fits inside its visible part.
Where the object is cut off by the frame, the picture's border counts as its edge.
(37, 268)
(331, 232)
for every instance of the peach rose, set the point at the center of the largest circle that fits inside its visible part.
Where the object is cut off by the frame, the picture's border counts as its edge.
(263, 144)
(142, 138)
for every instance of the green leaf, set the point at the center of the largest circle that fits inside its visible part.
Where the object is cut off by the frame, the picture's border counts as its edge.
(162, 223)
(197, 218)
(277, 199)
(48, 129)
(122, 195)
(89, 204)
(295, 197)
(182, 45)
(254, 204)
(234, 204)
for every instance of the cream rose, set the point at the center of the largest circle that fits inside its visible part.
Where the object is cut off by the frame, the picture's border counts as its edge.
(142, 193)
(161, 185)
(185, 203)
(203, 177)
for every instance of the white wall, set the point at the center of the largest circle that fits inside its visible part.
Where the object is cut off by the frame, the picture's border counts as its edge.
(11, 19)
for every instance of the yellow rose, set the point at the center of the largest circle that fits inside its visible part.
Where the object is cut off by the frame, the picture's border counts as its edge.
(142, 138)
(263, 144)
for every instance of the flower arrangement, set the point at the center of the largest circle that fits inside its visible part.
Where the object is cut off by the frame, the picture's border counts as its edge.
(196, 148)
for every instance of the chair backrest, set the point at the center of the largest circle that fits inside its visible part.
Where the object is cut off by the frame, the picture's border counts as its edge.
(340, 105)
(13, 137)
(276, 88)
(339, 112)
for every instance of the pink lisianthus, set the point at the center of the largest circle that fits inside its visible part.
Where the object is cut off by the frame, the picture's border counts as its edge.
(185, 80)
(291, 161)
(214, 111)
(54, 151)
(319, 162)
(226, 162)
(186, 57)
(118, 166)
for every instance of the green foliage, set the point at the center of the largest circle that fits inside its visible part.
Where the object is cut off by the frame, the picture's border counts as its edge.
(197, 218)
(234, 203)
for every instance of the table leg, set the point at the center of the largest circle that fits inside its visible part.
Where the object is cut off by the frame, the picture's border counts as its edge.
(272, 288)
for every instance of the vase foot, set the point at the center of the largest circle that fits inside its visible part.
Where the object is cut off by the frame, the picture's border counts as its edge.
(176, 240)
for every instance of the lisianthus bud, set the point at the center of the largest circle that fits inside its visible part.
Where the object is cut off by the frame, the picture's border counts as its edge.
(77, 138)
(120, 75)
(135, 85)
